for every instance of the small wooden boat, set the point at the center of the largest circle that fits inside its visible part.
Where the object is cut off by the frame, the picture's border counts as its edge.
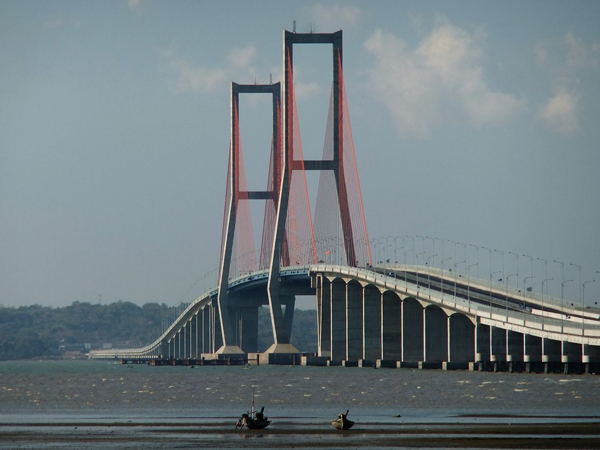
(253, 420)
(342, 423)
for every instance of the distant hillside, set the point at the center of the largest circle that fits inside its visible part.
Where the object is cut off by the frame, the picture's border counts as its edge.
(36, 331)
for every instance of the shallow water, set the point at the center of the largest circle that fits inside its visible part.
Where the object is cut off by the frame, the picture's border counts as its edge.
(41, 390)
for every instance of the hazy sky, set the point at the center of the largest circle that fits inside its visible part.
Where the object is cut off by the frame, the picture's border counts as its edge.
(476, 122)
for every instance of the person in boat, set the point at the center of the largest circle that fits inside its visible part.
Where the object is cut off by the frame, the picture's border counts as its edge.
(342, 422)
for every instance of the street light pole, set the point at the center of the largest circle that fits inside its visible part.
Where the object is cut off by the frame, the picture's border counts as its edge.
(562, 288)
(442, 277)
(477, 250)
(562, 295)
(582, 302)
(547, 279)
(492, 276)
(544, 281)
(469, 278)
(413, 247)
(579, 270)
(429, 273)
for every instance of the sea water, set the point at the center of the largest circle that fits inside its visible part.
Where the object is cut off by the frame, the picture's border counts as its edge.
(44, 391)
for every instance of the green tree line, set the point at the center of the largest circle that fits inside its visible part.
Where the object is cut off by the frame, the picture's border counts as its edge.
(38, 331)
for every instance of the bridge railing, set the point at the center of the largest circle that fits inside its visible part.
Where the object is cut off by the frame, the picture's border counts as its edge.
(577, 331)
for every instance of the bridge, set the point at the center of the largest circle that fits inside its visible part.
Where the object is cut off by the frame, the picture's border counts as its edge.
(385, 314)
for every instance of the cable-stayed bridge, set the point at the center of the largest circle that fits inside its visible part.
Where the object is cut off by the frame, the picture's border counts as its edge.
(386, 313)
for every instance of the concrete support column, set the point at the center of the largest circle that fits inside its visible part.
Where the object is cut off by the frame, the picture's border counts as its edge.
(177, 352)
(338, 320)
(324, 316)
(172, 347)
(461, 339)
(354, 321)
(163, 351)
(217, 334)
(248, 329)
(185, 349)
(435, 323)
(551, 351)
(482, 343)
(571, 353)
(514, 346)
(206, 330)
(498, 344)
(412, 331)
(591, 353)
(391, 332)
(533, 349)
(194, 336)
(372, 323)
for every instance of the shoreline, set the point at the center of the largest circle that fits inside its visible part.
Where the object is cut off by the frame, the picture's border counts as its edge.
(286, 434)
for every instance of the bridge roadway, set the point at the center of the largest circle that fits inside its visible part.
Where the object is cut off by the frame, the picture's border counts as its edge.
(405, 313)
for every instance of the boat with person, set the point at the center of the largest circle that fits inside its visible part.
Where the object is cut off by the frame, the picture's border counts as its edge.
(342, 422)
(253, 420)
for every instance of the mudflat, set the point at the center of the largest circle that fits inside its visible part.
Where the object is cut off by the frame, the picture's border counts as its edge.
(287, 434)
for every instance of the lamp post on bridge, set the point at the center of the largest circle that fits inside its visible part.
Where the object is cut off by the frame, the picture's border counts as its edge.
(490, 257)
(477, 264)
(562, 299)
(582, 302)
(579, 285)
(506, 297)
(547, 279)
(405, 275)
(469, 277)
(432, 248)
(456, 277)
(413, 247)
(517, 256)
(492, 276)
(429, 273)
(525, 288)
(443, 269)
(502, 266)
(544, 281)
(417, 258)
(562, 289)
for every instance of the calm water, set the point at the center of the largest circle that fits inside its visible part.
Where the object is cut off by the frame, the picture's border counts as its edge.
(59, 390)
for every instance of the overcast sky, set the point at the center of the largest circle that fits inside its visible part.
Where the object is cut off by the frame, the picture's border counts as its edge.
(476, 122)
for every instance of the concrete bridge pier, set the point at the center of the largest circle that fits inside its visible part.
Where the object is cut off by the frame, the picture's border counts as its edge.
(163, 351)
(435, 327)
(514, 350)
(461, 340)
(247, 328)
(412, 331)
(572, 357)
(498, 348)
(338, 320)
(591, 358)
(532, 353)
(206, 330)
(323, 316)
(354, 321)
(391, 322)
(482, 345)
(193, 339)
(551, 354)
(372, 332)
